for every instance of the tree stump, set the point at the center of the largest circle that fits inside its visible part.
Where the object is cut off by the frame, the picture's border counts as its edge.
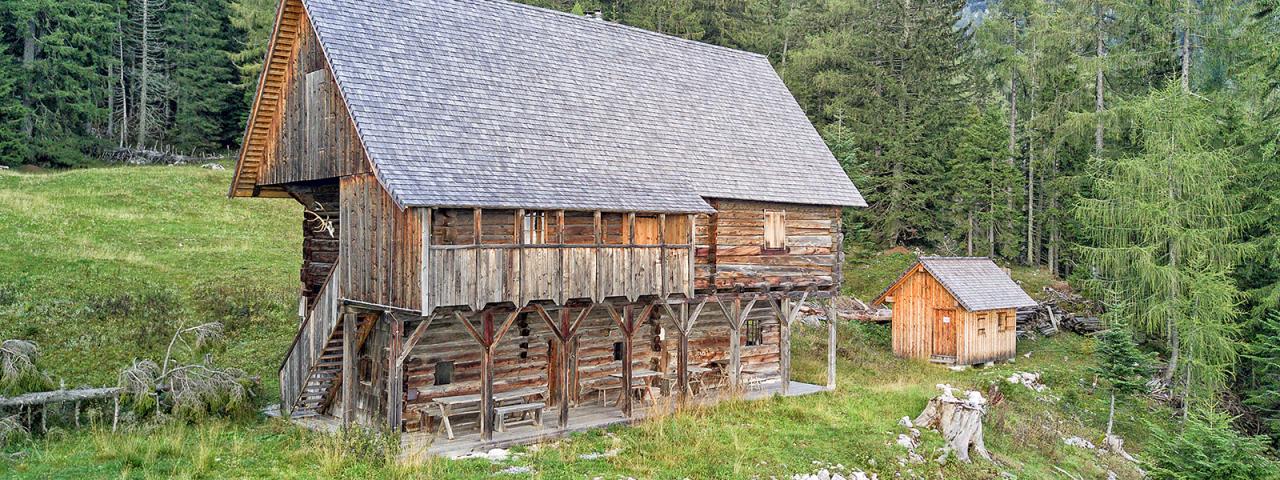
(959, 420)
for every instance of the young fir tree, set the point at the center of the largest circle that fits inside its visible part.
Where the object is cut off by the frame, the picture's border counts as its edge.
(13, 147)
(1121, 364)
(1161, 230)
(1262, 392)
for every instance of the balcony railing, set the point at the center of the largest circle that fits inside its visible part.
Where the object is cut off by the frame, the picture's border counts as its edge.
(477, 275)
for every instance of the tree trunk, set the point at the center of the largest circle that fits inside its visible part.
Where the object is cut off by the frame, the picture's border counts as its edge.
(1111, 416)
(969, 237)
(1098, 104)
(959, 421)
(28, 65)
(1186, 46)
(144, 77)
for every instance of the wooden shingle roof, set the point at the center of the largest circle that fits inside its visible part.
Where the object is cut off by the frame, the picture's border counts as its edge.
(489, 103)
(977, 283)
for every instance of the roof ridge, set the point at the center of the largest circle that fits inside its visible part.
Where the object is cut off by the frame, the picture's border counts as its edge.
(630, 28)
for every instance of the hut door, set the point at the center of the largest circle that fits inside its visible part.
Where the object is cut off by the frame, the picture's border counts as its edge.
(944, 332)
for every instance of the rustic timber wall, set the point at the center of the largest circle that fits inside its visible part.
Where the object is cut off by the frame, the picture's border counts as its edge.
(524, 356)
(371, 377)
(731, 245)
(380, 246)
(914, 302)
(981, 339)
(312, 135)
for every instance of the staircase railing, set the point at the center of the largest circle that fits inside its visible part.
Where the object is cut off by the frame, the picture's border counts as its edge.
(302, 357)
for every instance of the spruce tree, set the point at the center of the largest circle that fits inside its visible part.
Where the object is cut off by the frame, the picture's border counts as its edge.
(1121, 364)
(1262, 386)
(202, 82)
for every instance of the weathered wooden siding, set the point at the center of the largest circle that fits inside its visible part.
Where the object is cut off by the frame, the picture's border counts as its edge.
(731, 245)
(914, 302)
(981, 340)
(312, 135)
(380, 246)
(370, 386)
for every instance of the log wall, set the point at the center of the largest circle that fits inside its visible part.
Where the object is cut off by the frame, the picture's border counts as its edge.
(311, 135)
(319, 244)
(731, 246)
(525, 355)
(381, 246)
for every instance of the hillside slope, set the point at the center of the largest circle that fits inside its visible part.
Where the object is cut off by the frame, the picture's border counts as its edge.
(100, 265)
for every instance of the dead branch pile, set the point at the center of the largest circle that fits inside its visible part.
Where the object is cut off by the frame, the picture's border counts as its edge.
(959, 420)
(187, 390)
(1059, 310)
(148, 156)
(850, 308)
(18, 371)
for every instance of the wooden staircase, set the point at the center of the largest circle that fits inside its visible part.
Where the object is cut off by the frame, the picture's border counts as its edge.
(312, 369)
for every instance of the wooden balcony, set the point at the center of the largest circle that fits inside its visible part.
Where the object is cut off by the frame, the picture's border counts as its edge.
(478, 275)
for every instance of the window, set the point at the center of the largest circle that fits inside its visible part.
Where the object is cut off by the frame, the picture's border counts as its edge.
(1007, 322)
(534, 229)
(444, 373)
(775, 232)
(755, 331)
(617, 351)
(982, 331)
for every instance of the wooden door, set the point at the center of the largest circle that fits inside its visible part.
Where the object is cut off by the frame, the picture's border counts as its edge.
(944, 331)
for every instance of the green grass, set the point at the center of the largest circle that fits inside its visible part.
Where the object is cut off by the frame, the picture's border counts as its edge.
(100, 265)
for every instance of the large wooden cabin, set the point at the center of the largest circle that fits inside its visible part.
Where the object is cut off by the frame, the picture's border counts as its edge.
(955, 310)
(500, 197)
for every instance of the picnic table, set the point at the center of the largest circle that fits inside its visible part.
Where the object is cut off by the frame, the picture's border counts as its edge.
(642, 374)
(458, 404)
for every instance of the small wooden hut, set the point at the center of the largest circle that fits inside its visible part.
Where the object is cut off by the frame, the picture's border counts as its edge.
(507, 208)
(955, 310)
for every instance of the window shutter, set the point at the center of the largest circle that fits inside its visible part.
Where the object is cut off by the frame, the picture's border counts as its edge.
(775, 230)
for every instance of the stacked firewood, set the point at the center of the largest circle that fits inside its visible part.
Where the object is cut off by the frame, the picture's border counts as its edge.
(1059, 310)
(850, 308)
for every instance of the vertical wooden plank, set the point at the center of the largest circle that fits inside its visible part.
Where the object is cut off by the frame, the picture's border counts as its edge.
(598, 288)
(560, 258)
(630, 225)
(348, 368)
(425, 265)
(663, 269)
(693, 251)
(518, 276)
(395, 373)
(566, 362)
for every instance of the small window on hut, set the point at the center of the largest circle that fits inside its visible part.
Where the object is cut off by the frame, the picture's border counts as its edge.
(444, 373)
(617, 351)
(775, 232)
(755, 331)
(534, 228)
(1005, 322)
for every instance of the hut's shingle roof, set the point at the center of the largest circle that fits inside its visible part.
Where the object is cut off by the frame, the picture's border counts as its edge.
(977, 283)
(488, 103)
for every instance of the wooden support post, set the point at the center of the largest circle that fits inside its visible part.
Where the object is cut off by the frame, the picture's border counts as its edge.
(348, 368)
(784, 358)
(395, 374)
(628, 332)
(831, 346)
(735, 342)
(566, 358)
(682, 355)
(486, 379)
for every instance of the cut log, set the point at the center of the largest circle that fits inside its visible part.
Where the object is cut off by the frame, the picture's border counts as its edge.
(960, 422)
(58, 396)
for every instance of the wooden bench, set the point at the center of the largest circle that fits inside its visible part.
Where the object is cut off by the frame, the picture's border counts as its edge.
(500, 414)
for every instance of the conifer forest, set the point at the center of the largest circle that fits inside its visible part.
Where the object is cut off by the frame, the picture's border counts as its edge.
(1131, 147)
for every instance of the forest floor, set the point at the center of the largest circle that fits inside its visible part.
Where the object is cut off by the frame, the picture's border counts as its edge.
(99, 266)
